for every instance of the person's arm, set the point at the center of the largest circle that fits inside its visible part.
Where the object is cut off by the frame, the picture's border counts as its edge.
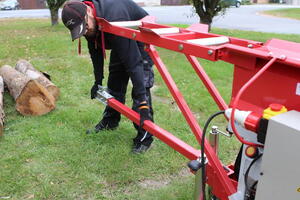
(98, 62)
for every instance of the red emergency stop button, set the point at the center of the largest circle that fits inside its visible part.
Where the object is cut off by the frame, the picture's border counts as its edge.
(276, 107)
(251, 151)
(273, 110)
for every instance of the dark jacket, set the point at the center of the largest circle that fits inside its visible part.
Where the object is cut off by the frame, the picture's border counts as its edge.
(127, 50)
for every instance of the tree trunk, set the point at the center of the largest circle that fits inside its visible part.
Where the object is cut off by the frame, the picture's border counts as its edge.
(206, 20)
(54, 16)
(26, 68)
(31, 97)
(2, 115)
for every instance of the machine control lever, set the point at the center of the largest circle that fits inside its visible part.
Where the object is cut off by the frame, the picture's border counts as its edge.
(215, 131)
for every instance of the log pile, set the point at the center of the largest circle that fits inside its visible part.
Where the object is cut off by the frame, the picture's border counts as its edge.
(30, 96)
(32, 91)
(26, 68)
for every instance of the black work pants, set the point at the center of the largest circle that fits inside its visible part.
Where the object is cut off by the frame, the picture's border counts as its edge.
(117, 85)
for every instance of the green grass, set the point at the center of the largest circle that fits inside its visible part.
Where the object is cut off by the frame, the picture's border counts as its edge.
(293, 13)
(51, 157)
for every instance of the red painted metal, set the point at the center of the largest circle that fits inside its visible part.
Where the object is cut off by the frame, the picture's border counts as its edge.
(216, 173)
(279, 84)
(170, 41)
(216, 165)
(184, 108)
(175, 143)
(239, 94)
(246, 55)
(252, 121)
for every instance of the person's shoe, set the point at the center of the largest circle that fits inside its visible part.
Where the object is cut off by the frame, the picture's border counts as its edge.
(104, 124)
(140, 148)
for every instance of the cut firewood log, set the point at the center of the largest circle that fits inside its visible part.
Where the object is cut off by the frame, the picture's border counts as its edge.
(26, 68)
(30, 96)
(1, 106)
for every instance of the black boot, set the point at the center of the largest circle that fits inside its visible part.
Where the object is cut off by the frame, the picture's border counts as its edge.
(104, 125)
(142, 142)
(140, 148)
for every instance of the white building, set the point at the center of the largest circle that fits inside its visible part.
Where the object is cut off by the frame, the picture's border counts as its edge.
(293, 2)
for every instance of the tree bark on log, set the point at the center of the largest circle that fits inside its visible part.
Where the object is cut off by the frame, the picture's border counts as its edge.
(30, 96)
(26, 68)
(2, 115)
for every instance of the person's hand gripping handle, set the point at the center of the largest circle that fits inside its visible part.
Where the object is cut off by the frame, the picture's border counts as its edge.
(144, 113)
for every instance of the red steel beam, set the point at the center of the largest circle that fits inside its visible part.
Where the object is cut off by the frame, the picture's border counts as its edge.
(215, 163)
(184, 108)
(216, 173)
(175, 143)
(176, 42)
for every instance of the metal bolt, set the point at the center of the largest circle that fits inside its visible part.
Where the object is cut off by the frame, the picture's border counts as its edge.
(214, 130)
(250, 45)
(210, 52)
(282, 57)
(133, 35)
(261, 173)
(270, 54)
(180, 47)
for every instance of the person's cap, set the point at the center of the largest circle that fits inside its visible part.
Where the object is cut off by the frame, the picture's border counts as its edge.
(73, 17)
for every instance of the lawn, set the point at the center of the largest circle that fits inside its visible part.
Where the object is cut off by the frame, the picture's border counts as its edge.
(293, 13)
(51, 157)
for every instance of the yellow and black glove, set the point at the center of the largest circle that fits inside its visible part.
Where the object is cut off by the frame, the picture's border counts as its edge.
(144, 113)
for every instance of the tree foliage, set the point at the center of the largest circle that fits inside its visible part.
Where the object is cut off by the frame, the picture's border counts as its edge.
(208, 9)
(54, 6)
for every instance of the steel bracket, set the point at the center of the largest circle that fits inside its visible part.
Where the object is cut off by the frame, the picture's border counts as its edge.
(103, 95)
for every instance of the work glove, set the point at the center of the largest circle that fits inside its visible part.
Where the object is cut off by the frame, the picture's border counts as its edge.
(94, 90)
(144, 113)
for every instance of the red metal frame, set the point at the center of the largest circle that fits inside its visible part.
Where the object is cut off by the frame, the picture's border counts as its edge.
(246, 55)
(222, 185)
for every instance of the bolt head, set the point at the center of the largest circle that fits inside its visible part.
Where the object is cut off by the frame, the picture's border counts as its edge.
(133, 35)
(210, 52)
(282, 57)
(180, 47)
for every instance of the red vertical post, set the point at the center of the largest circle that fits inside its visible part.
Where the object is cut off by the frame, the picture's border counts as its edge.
(184, 108)
(215, 163)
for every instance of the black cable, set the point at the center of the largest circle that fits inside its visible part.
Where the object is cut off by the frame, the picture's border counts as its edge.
(254, 185)
(247, 173)
(203, 149)
(252, 190)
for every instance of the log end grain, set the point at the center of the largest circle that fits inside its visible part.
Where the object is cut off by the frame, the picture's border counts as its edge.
(54, 91)
(35, 100)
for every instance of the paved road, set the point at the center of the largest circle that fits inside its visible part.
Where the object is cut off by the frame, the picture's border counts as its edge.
(243, 18)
